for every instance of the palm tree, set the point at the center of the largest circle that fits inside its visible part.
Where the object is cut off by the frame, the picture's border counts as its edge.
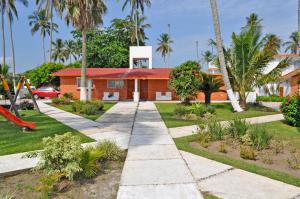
(3, 7)
(49, 6)
(70, 50)
(39, 22)
(59, 51)
(4, 69)
(293, 44)
(140, 33)
(136, 6)
(84, 15)
(298, 27)
(229, 91)
(207, 56)
(209, 85)
(164, 47)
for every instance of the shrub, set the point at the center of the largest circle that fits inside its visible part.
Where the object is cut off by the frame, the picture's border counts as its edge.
(60, 100)
(47, 184)
(266, 157)
(26, 105)
(111, 151)
(89, 157)
(201, 109)
(68, 95)
(215, 130)
(204, 140)
(294, 161)
(222, 148)
(260, 138)
(272, 98)
(247, 153)
(180, 111)
(237, 128)
(277, 146)
(98, 104)
(290, 108)
(61, 154)
(246, 140)
(77, 106)
(89, 109)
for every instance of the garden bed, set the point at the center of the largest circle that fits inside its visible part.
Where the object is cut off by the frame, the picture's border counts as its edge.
(223, 112)
(272, 162)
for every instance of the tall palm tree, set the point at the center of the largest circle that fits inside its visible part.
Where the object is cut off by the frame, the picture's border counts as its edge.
(207, 56)
(11, 11)
(229, 90)
(140, 33)
(84, 15)
(70, 50)
(2, 10)
(39, 22)
(293, 44)
(59, 51)
(164, 47)
(49, 6)
(298, 27)
(135, 7)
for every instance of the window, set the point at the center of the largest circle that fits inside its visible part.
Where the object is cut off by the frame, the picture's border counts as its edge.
(78, 82)
(115, 83)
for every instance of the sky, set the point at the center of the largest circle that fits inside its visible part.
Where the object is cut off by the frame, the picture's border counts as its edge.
(190, 21)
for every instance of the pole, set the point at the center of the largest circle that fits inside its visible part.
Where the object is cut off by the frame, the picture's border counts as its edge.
(169, 53)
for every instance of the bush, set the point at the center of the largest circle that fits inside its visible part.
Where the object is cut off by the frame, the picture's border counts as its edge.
(26, 105)
(60, 101)
(222, 148)
(68, 96)
(201, 109)
(89, 109)
(61, 154)
(215, 130)
(237, 128)
(180, 111)
(247, 153)
(260, 138)
(290, 108)
(272, 98)
(266, 157)
(277, 146)
(77, 106)
(111, 151)
(98, 104)
(204, 140)
(294, 161)
(89, 157)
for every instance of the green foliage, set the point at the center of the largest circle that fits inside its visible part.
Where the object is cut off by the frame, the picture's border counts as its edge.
(272, 98)
(61, 154)
(204, 139)
(222, 148)
(266, 157)
(41, 75)
(88, 161)
(215, 130)
(77, 106)
(247, 153)
(237, 128)
(60, 100)
(201, 109)
(185, 80)
(294, 161)
(277, 146)
(47, 184)
(111, 151)
(181, 111)
(68, 95)
(259, 136)
(89, 109)
(290, 108)
(26, 105)
(98, 104)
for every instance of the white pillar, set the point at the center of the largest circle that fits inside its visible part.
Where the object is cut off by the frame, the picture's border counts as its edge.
(136, 94)
(89, 89)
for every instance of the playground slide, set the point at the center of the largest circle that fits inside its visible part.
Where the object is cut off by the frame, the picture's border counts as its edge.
(11, 117)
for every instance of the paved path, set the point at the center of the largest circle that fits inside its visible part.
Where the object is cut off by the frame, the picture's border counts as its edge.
(115, 124)
(229, 183)
(190, 130)
(154, 167)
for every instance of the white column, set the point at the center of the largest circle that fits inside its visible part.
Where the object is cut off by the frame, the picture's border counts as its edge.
(89, 89)
(136, 94)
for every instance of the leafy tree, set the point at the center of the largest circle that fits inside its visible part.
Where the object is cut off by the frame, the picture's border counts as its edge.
(292, 44)
(59, 51)
(209, 85)
(70, 50)
(39, 22)
(164, 47)
(185, 80)
(41, 75)
(208, 56)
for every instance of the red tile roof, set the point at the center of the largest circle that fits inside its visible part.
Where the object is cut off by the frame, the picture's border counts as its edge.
(292, 73)
(117, 73)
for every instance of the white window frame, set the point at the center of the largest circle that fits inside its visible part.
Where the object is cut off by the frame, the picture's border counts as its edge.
(118, 84)
(78, 82)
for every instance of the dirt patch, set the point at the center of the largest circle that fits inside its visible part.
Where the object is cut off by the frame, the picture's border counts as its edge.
(104, 185)
(275, 161)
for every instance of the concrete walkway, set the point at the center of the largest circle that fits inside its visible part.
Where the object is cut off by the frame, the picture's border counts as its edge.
(229, 183)
(190, 130)
(154, 167)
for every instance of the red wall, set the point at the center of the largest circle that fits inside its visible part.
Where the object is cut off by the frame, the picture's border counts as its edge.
(295, 84)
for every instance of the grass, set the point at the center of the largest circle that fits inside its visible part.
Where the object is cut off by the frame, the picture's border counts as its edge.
(223, 112)
(13, 140)
(279, 130)
(209, 196)
(68, 108)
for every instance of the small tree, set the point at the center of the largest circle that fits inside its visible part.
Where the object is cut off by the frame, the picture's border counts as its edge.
(209, 85)
(185, 80)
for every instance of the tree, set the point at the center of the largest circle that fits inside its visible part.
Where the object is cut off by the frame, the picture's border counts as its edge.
(164, 47)
(59, 51)
(3, 7)
(248, 58)
(207, 57)
(70, 50)
(185, 80)
(84, 15)
(135, 7)
(298, 27)
(229, 91)
(39, 22)
(12, 12)
(209, 85)
(293, 43)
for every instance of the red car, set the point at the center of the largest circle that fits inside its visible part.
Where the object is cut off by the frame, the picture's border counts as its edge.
(45, 92)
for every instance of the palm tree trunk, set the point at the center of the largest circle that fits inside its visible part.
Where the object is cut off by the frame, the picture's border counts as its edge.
(3, 37)
(136, 28)
(83, 94)
(13, 55)
(298, 46)
(51, 29)
(207, 98)
(229, 91)
(44, 50)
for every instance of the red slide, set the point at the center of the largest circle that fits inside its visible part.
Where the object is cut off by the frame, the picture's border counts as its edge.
(11, 117)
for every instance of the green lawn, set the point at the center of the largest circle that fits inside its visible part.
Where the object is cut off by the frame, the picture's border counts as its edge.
(13, 140)
(279, 130)
(223, 112)
(68, 108)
